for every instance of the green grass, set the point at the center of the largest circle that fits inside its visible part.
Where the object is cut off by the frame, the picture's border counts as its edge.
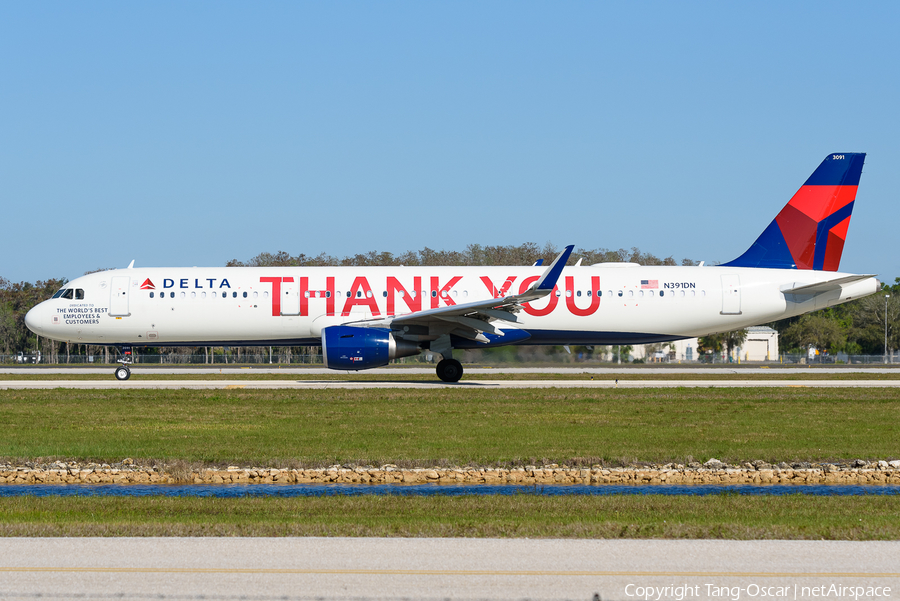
(726, 516)
(460, 426)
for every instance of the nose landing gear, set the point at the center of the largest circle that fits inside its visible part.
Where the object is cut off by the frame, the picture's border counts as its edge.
(122, 372)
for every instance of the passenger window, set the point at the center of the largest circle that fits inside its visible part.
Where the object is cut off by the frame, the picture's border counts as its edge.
(568, 294)
(578, 293)
(171, 295)
(255, 294)
(182, 295)
(234, 295)
(621, 293)
(151, 295)
(193, 295)
(79, 294)
(202, 295)
(348, 294)
(434, 294)
(245, 294)
(328, 294)
(67, 294)
(558, 293)
(384, 294)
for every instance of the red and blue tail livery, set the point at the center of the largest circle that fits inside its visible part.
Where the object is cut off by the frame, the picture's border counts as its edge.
(810, 231)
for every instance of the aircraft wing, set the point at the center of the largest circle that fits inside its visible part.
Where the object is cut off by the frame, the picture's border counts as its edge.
(835, 284)
(472, 320)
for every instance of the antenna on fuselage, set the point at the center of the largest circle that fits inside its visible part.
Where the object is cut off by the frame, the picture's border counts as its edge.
(130, 265)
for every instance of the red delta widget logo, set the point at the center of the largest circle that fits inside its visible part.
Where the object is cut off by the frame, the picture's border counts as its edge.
(416, 298)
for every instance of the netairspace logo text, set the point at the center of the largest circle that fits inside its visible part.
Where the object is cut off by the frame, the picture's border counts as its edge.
(756, 591)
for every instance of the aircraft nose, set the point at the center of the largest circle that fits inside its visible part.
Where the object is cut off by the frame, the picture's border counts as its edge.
(34, 321)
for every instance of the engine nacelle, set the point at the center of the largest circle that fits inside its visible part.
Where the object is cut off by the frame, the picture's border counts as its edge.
(351, 347)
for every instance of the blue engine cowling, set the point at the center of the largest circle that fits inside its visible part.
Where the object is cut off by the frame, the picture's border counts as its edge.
(351, 347)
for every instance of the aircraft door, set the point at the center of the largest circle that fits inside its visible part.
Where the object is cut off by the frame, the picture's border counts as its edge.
(290, 299)
(118, 296)
(731, 294)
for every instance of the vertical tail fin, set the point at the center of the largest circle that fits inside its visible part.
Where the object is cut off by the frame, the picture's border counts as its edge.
(810, 230)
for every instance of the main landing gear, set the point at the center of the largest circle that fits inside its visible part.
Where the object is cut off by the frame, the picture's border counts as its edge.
(449, 370)
(122, 372)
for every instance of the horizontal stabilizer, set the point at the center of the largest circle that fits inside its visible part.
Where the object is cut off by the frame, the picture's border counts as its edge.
(825, 286)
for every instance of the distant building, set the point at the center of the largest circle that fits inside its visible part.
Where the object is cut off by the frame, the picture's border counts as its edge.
(761, 345)
(679, 350)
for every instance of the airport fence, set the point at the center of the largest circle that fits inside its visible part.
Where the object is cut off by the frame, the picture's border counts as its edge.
(312, 359)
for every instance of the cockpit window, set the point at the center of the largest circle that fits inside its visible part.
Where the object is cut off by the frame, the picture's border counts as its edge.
(67, 293)
(59, 293)
(79, 294)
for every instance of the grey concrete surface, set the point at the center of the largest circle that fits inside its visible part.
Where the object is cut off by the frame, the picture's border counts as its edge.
(378, 568)
(429, 370)
(113, 384)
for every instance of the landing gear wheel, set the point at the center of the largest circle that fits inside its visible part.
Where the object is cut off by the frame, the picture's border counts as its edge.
(123, 373)
(449, 370)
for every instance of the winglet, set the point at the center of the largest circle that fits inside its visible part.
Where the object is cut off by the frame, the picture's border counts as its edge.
(549, 278)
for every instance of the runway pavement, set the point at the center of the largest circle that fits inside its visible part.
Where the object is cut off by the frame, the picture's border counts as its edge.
(395, 568)
(112, 384)
(470, 371)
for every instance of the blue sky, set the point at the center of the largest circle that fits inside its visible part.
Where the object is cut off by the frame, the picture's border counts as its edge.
(194, 133)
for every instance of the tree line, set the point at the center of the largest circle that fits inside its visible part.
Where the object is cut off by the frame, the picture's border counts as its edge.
(473, 255)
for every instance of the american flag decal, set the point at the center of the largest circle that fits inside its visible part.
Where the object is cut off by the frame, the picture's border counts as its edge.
(649, 284)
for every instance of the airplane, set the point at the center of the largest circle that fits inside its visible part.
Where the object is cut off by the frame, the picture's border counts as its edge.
(364, 317)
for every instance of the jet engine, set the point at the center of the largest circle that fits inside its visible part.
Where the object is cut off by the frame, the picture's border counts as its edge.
(351, 347)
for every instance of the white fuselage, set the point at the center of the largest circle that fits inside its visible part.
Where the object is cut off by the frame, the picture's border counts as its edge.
(601, 304)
